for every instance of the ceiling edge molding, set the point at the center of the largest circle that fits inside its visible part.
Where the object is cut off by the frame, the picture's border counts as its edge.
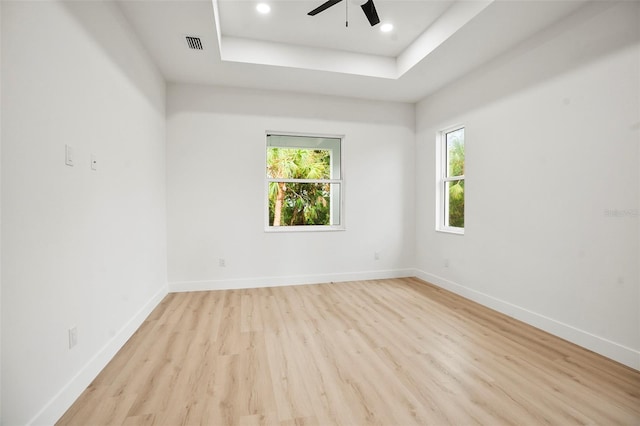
(285, 55)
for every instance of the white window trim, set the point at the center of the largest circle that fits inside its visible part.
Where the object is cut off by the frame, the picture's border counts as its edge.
(306, 228)
(441, 179)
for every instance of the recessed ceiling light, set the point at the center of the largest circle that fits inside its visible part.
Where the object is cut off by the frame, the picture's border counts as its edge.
(385, 28)
(263, 8)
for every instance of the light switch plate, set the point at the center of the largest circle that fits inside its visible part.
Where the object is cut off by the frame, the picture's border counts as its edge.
(68, 155)
(73, 336)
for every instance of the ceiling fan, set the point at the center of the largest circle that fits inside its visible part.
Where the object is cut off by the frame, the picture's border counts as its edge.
(368, 8)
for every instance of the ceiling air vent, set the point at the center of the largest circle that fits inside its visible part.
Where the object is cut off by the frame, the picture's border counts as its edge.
(194, 43)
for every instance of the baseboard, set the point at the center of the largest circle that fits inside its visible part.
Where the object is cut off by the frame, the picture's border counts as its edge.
(57, 406)
(60, 403)
(235, 284)
(597, 344)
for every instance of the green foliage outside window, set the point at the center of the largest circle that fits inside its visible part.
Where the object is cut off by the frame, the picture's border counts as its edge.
(299, 203)
(455, 164)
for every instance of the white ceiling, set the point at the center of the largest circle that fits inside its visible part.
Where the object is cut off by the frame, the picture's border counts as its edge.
(289, 23)
(432, 44)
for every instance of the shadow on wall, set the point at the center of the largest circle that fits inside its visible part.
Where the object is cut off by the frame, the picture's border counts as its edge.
(594, 31)
(98, 19)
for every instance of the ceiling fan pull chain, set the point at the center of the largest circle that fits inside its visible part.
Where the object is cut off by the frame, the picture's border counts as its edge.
(346, 14)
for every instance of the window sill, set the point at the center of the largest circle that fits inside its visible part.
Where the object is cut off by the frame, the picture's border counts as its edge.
(302, 228)
(456, 231)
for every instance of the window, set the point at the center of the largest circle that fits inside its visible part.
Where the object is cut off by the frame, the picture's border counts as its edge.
(303, 183)
(450, 197)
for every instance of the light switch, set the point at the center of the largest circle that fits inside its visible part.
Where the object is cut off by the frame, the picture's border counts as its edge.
(94, 162)
(68, 155)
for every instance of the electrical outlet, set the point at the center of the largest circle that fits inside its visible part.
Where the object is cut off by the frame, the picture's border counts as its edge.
(221, 262)
(446, 263)
(73, 337)
(376, 255)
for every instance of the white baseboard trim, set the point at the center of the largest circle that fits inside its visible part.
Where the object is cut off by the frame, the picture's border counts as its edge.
(57, 406)
(60, 403)
(241, 283)
(615, 351)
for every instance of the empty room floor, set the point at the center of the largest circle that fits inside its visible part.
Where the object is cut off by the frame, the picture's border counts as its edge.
(388, 352)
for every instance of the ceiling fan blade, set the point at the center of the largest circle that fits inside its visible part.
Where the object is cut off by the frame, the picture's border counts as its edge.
(324, 6)
(369, 10)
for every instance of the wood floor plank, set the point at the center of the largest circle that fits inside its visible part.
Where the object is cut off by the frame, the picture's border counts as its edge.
(254, 377)
(386, 352)
(290, 393)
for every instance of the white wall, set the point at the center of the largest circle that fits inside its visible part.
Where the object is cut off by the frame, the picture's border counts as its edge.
(216, 200)
(0, 212)
(79, 248)
(552, 140)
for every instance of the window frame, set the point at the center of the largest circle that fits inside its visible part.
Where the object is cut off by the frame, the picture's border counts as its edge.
(442, 180)
(341, 182)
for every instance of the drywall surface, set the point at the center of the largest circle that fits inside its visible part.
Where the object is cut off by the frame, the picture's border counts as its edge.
(216, 198)
(551, 221)
(0, 211)
(80, 248)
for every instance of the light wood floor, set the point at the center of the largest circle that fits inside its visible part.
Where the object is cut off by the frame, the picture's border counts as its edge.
(389, 352)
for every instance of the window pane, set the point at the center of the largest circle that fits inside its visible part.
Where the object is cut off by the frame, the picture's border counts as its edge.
(293, 204)
(294, 163)
(455, 153)
(454, 203)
